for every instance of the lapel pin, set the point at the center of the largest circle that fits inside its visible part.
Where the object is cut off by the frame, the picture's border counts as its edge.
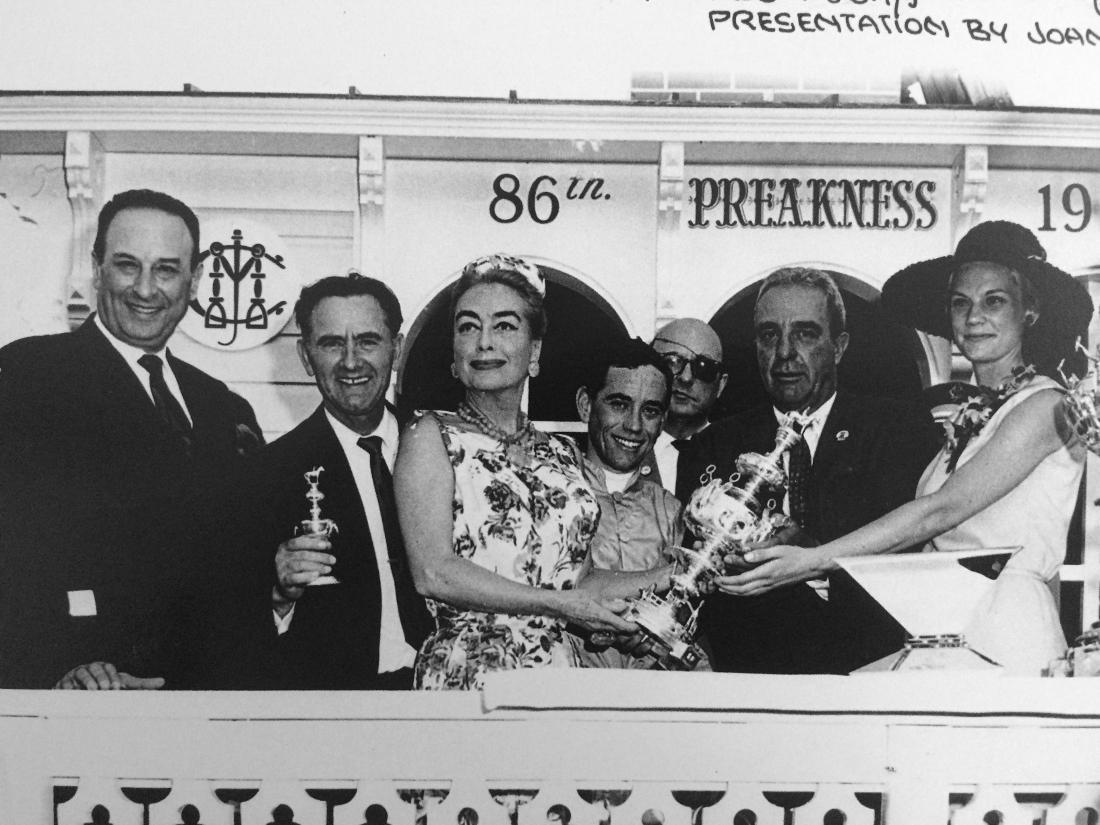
(842, 435)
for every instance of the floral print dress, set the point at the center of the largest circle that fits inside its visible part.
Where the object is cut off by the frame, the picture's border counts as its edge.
(531, 524)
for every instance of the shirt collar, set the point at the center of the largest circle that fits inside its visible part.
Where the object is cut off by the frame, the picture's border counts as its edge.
(599, 473)
(127, 351)
(387, 430)
(665, 440)
(816, 419)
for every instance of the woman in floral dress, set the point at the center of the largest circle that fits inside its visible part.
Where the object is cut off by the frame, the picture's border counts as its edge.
(1011, 466)
(496, 515)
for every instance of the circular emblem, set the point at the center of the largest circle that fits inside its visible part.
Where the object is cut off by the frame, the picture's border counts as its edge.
(247, 291)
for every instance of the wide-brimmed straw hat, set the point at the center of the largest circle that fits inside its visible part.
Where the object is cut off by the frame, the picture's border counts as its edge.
(917, 295)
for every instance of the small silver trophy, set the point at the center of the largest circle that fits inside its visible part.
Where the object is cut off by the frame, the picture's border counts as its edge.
(1082, 658)
(315, 526)
(728, 516)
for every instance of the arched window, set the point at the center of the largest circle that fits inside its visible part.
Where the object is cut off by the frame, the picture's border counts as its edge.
(883, 357)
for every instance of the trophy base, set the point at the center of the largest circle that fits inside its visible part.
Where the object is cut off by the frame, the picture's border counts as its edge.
(946, 652)
(657, 617)
(321, 580)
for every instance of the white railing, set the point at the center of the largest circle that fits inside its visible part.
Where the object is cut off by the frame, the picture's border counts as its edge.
(568, 747)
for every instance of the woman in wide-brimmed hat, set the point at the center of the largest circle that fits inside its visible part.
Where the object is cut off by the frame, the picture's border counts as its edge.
(1011, 467)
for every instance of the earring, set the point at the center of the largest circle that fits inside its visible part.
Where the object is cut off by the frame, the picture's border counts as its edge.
(454, 371)
(533, 369)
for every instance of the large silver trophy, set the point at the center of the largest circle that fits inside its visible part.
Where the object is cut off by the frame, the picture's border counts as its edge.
(315, 526)
(728, 516)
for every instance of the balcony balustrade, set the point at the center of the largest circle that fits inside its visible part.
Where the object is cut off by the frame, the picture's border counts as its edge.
(567, 748)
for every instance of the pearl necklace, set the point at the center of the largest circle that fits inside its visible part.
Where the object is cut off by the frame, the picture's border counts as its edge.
(514, 443)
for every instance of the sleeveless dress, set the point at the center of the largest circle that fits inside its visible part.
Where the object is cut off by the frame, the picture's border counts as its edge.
(531, 524)
(1017, 623)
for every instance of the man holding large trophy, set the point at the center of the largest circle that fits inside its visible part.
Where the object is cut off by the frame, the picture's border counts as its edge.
(858, 457)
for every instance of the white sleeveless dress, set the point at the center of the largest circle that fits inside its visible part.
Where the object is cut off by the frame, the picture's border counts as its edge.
(1017, 623)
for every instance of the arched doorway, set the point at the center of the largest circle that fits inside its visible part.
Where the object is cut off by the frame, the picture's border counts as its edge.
(581, 322)
(883, 357)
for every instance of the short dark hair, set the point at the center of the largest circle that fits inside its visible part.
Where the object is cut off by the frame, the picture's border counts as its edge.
(817, 279)
(629, 354)
(503, 269)
(146, 199)
(351, 285)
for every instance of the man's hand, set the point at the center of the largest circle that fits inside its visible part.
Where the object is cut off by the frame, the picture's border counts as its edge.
(637, 645)
(774, 567)
(104, 676)
(298, 562)
(790, 535)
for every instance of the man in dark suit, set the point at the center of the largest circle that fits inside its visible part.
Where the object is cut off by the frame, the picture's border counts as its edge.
(336, 612)
(112, 454)
(693, 352)
(860, 458)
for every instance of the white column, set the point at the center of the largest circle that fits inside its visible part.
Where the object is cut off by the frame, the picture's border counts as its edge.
(670, 204)
(370, 229)
(84, 172)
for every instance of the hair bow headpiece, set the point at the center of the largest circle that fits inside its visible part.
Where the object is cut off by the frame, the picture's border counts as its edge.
(500, 261)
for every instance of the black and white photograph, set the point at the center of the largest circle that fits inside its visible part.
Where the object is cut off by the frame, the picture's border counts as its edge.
(596, 412)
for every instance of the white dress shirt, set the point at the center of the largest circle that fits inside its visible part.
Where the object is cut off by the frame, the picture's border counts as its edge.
(813, 429)
(668, 457)
(394, 652)
(131, 354)
(812, 434)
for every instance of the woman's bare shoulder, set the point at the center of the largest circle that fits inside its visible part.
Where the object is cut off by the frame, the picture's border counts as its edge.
(1040, 416)
(423, 432)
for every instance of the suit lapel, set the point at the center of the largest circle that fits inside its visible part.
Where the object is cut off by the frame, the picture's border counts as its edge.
(112, 379)
(115, 386)
(763, 432)
(343, 500)
(834, 440)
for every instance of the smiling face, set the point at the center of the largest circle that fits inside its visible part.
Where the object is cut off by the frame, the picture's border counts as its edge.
(795, 350)
(350, 352)
(988, 316)
(626, 416)
(145, 280)
(493, 346)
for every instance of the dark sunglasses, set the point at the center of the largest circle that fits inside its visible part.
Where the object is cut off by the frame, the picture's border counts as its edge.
(705, 369)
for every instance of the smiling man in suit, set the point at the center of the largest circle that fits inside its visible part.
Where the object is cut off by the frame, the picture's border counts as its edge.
(859, 458)
(112, 458)
(339, 612)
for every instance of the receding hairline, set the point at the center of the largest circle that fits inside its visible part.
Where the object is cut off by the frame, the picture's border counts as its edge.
(694, 334)
(836, 313)
(156, 210)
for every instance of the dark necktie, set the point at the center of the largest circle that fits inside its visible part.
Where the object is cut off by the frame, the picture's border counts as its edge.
(170, 410)
(395, 545)
(680, 443)
(798, 483)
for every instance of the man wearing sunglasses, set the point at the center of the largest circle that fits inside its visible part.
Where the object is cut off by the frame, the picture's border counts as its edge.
(693, 352)
(860, 458)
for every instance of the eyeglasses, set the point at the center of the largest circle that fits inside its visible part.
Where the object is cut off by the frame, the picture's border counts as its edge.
(705, 369)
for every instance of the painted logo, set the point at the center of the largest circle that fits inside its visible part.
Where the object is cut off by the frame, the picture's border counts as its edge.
(247, 293)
